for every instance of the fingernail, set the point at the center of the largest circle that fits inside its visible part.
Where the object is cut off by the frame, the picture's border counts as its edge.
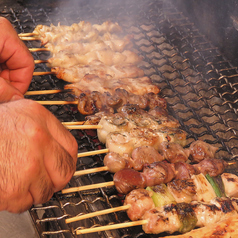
(16, 97)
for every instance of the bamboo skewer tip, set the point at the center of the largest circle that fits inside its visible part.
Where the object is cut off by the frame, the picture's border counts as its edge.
(89, 171)
(111, 227)
(87, 187)
(97, 213)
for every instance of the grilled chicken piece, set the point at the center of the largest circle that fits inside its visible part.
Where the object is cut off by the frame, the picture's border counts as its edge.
(112, 123)
(184, 170)
(90, 83)
(140, 201)
(140, 156)
(204, 190)
(125, 142)
(167, 218)
(158, 173)
(182, 190)
(226, 228)
(126, 180)
(116, 162)
(144, 155)
(120, 122)
(75, 73)
(153, 174)
(213, 167)
(230, 182)
(107, 57)
(120, 142)
(200, 150)
(213, 212)
(173, 152)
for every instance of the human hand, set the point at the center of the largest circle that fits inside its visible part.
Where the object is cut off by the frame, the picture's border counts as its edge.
(38, 155)
(16, 62)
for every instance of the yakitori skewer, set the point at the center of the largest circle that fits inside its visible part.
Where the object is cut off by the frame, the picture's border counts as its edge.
(150, 209)
(127, 179)
(98, 213)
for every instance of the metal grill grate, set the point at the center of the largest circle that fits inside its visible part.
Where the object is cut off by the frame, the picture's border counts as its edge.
(199, 85)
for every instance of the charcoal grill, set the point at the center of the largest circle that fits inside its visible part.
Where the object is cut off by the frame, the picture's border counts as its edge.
(197, 80)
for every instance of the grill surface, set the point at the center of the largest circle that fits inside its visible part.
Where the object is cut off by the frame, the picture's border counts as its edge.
(199, 84)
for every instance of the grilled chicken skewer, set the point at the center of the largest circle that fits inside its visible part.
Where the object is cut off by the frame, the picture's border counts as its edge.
(156, 173)
(83, 31)
(75, 73)
(181, 217)
(138, 201)
(89, 104)
(171, 152)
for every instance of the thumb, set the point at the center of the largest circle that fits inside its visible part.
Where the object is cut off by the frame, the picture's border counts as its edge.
(8, 92)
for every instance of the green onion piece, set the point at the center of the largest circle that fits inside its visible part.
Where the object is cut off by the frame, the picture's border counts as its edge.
(215, 186)
(161, 196)
(220, 184)
(187, 217)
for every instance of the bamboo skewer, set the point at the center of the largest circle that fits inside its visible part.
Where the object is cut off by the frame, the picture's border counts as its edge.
(73, 123)
(38, 49)
(95, 152)
(42, 73)
(31, 38)
(87, 187)
(98, 213)
(89, 171)
(57, 102)
(40, 61)
(27, 34)
(40, 92)
(82, 127)
(111, 227)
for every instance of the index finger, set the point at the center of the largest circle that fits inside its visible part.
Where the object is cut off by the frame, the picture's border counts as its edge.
(18, 61)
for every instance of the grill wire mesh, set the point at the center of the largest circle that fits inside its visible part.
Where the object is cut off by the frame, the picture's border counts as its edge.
(199, 84)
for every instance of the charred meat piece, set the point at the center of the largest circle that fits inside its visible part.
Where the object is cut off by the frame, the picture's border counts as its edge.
(230, 182)
(116, 162)
(140, 201)
(173, 152)
(200, 150)
(213, 167)
(120, 98)
(145, 155)
(158, 172)
(182, 190)
(127, 180)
